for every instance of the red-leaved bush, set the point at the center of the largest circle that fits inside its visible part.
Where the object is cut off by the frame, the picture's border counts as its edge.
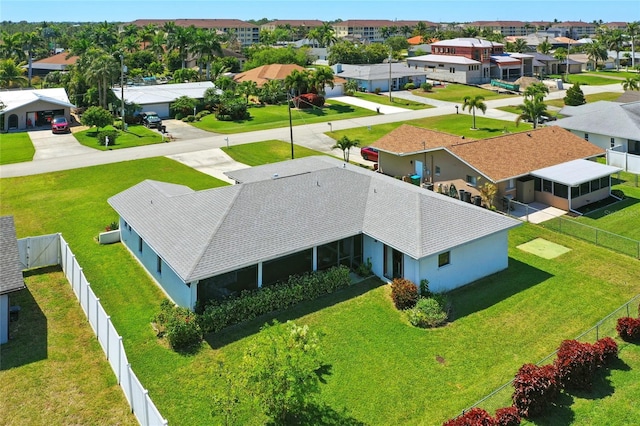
(404, 293)
(474, 417)
(534, 389)
(308, 100)
(606, 350)
(507, 416)
(576, 364)
(628, 329)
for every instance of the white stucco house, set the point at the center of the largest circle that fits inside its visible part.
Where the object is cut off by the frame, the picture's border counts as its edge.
(159, 97)
(29, 108)
(11, 279)
(304, 215)
(378, 76)
(605, 124)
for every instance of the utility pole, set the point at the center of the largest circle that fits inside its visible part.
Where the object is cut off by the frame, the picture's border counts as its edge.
(390, 51)
(122, 88)
(290, 123)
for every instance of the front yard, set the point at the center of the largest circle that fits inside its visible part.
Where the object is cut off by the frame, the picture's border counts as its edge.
(136, 135)
(273, 151)
(275, 116)
(383, 371)
(453, 92)
(16, 148)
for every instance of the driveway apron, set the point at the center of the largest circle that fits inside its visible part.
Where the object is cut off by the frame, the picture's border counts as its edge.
(49, 145)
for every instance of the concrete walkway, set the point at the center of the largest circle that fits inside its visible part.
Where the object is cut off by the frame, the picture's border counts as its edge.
(372, 106)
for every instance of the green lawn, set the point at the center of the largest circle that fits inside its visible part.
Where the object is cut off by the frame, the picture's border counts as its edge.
(591, 79)
(15, 148)
(604, 96)
(53, 369)
(136, 135)
(383, 371)
(397, 102)
(275, 116)
(456, 124)
(272, 151)
(614, 74)
(456, 92)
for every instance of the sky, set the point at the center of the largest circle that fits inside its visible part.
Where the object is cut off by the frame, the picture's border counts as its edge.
(326, 10)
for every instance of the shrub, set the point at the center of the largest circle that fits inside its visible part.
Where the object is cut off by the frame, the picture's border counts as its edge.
(426, 87)
(365, 269)
(179, 116)
(189, 119)
(178, 325)
(308, 100)
(111, 134)
(507, 416)
(424, 288)
(628, 329)
(377, 90)
(409, 86)
(534, 389)
(118, 124)
(404, 293)
(474, 417)
(606, 350)
(251, 304)
(202, 113)
(576, 364)
(427, 313)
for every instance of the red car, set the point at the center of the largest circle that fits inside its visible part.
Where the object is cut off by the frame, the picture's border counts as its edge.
(369, 153)
(60, 125)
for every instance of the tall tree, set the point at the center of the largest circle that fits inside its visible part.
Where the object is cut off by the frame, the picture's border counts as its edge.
(631, 83)
(532, 110)
(31, 42)
(12, 47)
(206, 46)
(11, 75)
(180, 40)
(472, 104)
(297, 82)
(536, 89)
(633, 29)
(613, 40)
(320, 78)
(574, 96)
(103, 69)
(545, 47)
(596, 51)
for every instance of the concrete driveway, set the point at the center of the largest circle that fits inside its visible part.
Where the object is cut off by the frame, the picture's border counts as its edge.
(213, 162)
(49, 145)
(180, 130)
(373, 106)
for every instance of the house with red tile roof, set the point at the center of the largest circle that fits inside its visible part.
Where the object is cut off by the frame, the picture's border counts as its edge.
(58, 62)
(516, 163)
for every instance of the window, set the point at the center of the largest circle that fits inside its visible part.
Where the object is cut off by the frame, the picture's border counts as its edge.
(584, 188)
(560, 190)
(437, 170)
(546, 185)
(159, 265)
(511, 183)
(471, 180)
(595, 185)
(604, 182)
(444, 259)
(140, 244)
(586, 136)
(537, 184)
(575, 192)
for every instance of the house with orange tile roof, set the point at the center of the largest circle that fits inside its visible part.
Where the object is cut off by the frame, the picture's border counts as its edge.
(544, 165)
(279, 72)
(58, 62)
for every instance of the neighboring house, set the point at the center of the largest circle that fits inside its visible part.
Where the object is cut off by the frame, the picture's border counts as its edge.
(28, 108)
(158, 97)
(544, 64)
(245, 33)
(305, 215)
(605, 124)
(579, 62)
(510, 162)
(279, 72)
(11, 279)
(377, 76)
(58, 62)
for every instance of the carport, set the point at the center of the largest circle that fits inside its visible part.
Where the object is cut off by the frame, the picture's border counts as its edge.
(25, 109)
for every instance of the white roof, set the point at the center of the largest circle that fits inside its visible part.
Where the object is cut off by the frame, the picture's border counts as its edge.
(466, 42)
(446, 59)
(163, 93)
(14, 99)
(573, 173)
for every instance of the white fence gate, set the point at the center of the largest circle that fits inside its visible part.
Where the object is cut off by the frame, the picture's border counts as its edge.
(53, 250)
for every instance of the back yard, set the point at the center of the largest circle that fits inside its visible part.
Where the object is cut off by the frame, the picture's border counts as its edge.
(382, 370)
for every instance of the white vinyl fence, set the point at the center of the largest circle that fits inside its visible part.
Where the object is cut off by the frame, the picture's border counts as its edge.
(627, 162)
(52, 249)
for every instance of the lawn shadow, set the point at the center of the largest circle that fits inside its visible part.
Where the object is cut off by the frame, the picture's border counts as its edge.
(490, 290)
(603, 208)
(491, 130)
(248, 328)
(601, 382)
(28, 334)
(340, 109)
(558, 414)
(320, 414)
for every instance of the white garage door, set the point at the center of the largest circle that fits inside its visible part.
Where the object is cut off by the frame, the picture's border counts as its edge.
(338, 90)
(161, 109)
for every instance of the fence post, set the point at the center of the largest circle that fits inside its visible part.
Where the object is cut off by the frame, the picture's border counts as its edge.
(130, 386)
(145, 397)
(97, 318)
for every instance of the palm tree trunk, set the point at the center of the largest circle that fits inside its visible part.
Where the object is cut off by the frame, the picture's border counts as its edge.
(474, 118)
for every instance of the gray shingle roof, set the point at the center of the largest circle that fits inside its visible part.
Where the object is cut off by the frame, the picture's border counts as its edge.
(10, 267)
(206, 233)
(611, 119)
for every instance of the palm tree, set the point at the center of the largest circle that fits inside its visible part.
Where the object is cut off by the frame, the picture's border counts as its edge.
(130, 44)
(351, 86)
(596, 51)
(322, 77)
(31, 42)
(247, 88)
(473, 104)
(206, 47)
(345, 144)
(536, 89)
(146, 33)
(180, 40)
(631, 83)
(545, 47)
(11, 75)
(633, 29)
(102, 70)
(297, 82)
(532, 110)
(520, 45)
(327, 35)
(12, 47)
(613, 40)
(157, 44)
(421, 29)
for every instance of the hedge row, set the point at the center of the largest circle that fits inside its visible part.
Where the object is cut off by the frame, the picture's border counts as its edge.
(252, 304)
(507, 416)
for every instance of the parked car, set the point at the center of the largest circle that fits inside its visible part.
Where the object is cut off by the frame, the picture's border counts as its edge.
(60, 125)
(369, 153)
(150, 120)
